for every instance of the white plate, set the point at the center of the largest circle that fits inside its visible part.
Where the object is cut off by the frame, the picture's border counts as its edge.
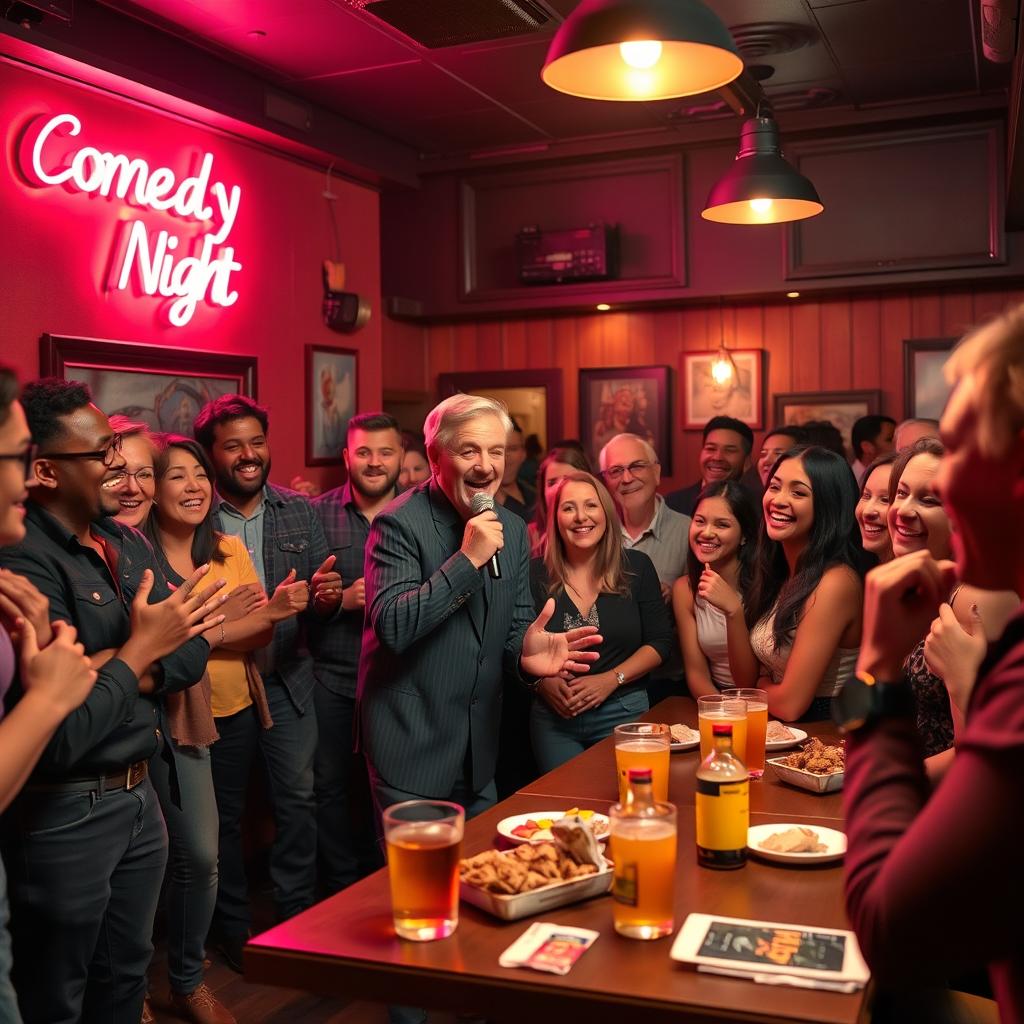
(688, 745)
(798, 737)
(835, 841)
(506, 825)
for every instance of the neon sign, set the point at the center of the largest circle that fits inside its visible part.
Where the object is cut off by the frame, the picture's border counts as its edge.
(153, 258)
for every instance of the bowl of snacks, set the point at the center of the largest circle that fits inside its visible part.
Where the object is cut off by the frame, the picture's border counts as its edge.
(535, 877)
(817, 766)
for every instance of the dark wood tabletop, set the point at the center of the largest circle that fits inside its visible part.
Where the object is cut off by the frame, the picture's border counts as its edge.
(346, 944)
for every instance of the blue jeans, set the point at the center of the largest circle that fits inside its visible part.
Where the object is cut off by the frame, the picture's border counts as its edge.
(9, 1012)
(556, 739)
(344, 820)
(288, 748)
(191, 890)
(85, 869)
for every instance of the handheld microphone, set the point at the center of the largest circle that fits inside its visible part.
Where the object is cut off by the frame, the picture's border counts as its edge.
(485, 503)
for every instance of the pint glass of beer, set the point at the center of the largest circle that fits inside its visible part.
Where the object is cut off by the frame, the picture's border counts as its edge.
(757, 726)
(643, 745)
(718, 707)
(643, 887)
(424, 839)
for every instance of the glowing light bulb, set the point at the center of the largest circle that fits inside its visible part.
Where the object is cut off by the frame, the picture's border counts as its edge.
(641, 54)
(721, 370)
(760, 205)
(603, 307)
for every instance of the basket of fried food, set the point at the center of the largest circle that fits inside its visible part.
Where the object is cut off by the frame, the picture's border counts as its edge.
(817, 766)
(538, 877)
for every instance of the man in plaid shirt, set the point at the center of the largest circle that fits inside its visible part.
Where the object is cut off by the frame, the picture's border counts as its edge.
(287, 545)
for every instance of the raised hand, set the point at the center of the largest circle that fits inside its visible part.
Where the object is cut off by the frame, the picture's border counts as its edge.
(482, 537)
(163, 627)
(327, 586)
(354, 596)
(19, 599)
(242, 601)
(713, 589)
(901, 598)
(291, 597)
(61, 673)
(550, 654)
(955, 652)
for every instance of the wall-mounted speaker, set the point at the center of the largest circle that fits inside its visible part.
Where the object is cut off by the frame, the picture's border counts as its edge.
(345, 311)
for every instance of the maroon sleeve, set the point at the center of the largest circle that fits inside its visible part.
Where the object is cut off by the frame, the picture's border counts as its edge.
(934, 883)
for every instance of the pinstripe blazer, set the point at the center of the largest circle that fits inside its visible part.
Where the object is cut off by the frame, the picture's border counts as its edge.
(438, 638)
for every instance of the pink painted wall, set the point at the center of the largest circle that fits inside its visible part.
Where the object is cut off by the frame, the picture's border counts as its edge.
(56, 245)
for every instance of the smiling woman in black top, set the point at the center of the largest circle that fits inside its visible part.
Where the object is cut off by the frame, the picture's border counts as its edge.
(594, 581)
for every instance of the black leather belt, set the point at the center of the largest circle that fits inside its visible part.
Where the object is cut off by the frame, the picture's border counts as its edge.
(127, 779)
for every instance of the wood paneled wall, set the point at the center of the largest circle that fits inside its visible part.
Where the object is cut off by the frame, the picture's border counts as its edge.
(837, 344)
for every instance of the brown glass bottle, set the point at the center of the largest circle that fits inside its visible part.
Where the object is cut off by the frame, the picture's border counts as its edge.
(723, 805)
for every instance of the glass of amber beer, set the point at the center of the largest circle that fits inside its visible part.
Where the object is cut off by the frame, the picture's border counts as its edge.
(643, 888)
(717, 707)
(757, 726)
(643, 745)
(424, 839)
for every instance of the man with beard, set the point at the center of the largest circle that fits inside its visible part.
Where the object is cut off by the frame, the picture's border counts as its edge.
(728, 443)
(287, 545)
(85, 842)
(373, 458)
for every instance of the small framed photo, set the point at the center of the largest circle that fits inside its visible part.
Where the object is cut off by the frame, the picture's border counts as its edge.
(626, 400)
(841, 408)
(741, 395)
(162, 387)
(331, 396)
(925, 390)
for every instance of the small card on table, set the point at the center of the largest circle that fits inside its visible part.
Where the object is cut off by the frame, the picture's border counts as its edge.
(548, 947)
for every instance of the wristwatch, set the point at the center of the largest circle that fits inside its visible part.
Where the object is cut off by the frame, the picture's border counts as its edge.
(865, 699)
(620, 678)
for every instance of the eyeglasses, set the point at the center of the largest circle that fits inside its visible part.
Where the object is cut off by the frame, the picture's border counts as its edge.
(140, 476)
(634, 469)
(106, 455)
(25, 458)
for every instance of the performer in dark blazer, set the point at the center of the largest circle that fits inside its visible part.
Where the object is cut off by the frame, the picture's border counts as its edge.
(440, 630)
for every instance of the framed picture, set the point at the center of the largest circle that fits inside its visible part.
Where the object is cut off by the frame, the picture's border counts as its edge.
(626, 400)
(924, 387)
(533, 397)
(841, 408)
(742, 395)
(162, 387)
(331, 396)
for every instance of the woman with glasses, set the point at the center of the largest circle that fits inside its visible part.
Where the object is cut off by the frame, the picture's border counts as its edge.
(595, 582)
(54, 680)
(135, 484)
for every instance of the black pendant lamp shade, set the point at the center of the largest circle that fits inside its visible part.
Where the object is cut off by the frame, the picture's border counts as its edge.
(761, 187)
(641, 50)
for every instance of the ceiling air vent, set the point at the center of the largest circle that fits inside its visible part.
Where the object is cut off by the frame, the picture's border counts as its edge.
(439, 23)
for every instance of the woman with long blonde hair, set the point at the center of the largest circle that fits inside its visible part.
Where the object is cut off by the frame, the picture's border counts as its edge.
(594, 581)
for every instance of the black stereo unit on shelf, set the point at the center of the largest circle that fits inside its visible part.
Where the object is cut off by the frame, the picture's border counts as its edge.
(561, 257)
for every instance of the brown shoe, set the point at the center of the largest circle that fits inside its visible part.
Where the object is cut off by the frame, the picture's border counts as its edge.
(148, 1017)
(201, 1007)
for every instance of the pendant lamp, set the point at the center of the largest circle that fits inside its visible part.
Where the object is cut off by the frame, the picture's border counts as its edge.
(761, 187)
(641, 50)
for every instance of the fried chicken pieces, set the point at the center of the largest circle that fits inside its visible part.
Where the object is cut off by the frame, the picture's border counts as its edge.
(819, 758)
(522, 869)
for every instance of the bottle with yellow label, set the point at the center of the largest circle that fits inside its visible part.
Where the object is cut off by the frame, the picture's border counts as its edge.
(723, 804)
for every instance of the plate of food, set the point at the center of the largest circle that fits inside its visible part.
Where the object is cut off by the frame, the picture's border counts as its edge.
(787, 843)
(779, 736)
(817, 766)
(536, 826)
(683, 738)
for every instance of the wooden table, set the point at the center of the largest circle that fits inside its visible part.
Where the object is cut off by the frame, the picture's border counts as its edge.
(346, 945)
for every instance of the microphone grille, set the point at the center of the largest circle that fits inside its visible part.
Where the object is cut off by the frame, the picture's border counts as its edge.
(481, 503)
